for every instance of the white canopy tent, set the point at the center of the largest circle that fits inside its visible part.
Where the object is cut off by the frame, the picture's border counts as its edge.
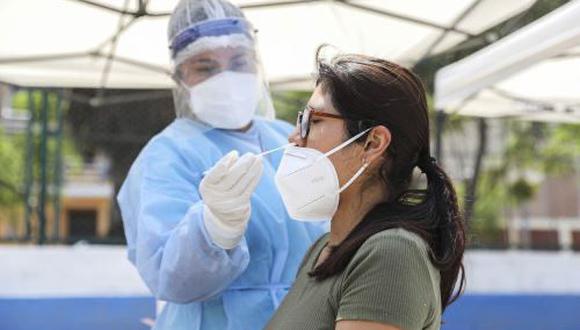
(533, 74)
(122, 43)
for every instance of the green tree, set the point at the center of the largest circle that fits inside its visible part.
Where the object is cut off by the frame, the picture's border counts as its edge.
(11, 165)
(288, 103)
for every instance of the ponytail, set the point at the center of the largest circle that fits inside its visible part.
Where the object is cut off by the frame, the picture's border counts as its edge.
(449, 229)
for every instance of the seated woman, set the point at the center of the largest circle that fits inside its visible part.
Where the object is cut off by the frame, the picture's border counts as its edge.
(394, 255)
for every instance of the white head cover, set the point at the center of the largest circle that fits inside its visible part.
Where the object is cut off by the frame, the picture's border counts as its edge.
(198, 26)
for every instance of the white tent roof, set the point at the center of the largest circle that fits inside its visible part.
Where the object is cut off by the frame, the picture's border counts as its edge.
(533, 73)
(65, 43)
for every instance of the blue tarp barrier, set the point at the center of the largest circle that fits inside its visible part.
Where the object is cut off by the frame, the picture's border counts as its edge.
(514, 312)
(111, 313)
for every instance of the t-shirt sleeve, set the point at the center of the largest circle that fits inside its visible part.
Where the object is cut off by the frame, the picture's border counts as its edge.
(388, 281)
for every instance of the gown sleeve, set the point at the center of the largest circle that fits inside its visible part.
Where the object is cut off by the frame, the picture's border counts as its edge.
(167, 241)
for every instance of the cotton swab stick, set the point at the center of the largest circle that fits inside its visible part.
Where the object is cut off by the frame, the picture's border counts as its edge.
(266, 152)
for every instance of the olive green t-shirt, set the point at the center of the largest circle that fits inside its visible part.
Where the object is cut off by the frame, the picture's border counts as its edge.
(389, 280)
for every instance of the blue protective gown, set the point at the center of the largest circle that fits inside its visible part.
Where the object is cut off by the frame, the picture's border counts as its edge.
(206, 286)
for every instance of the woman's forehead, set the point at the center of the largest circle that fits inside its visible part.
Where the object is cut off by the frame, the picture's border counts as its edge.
(320, 101)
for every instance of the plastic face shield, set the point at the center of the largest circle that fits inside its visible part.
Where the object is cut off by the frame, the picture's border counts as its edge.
(208, 48)
(209, 63)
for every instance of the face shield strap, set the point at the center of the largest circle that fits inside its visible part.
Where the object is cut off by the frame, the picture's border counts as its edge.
(211, 28)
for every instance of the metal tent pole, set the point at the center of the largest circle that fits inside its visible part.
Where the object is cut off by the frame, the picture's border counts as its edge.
(43, 169)
(58, 167)
(29, 167)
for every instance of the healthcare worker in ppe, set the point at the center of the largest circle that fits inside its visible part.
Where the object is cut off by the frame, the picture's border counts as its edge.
(205, 225)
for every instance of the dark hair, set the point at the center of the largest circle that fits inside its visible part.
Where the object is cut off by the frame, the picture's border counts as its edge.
(370, 91)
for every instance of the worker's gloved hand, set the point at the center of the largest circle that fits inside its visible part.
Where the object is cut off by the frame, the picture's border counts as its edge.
(226, 190)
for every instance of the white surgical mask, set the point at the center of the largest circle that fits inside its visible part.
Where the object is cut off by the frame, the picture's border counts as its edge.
(308, 182)
(227, 100)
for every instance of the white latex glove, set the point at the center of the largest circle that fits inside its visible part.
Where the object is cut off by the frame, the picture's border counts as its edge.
(226, 190)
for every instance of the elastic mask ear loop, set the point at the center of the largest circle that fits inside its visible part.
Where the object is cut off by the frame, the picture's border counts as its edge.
(335, 149)
(345, 143)
(354, 177)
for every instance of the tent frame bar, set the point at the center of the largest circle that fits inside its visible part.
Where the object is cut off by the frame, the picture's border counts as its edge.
(405, 18)
(442, 36)
(142, 11)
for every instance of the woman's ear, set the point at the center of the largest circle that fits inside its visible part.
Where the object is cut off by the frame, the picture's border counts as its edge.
(378, 140)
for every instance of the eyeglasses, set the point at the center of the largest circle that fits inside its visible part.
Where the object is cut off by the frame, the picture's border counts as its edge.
(305, 117)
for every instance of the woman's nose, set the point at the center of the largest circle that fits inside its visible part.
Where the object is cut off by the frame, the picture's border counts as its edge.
(294, 137)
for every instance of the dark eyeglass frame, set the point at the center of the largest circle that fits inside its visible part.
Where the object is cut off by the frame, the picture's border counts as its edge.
(305, 118)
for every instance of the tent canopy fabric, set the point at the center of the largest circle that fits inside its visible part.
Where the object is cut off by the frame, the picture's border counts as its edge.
(123, 43)
(534, 73)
